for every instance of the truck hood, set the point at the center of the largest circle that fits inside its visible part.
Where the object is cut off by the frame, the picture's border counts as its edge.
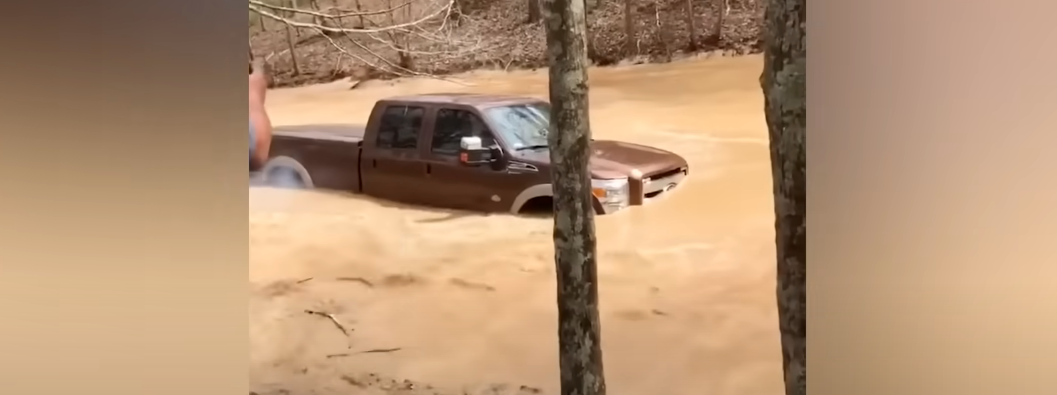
(617, 159)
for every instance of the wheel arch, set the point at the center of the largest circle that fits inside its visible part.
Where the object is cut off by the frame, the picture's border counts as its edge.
(286, 162)
(543, 190)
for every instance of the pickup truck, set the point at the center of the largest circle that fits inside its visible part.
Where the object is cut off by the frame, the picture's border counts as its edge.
(461, 151)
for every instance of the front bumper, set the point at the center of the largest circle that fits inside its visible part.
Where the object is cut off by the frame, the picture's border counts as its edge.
(642, 188)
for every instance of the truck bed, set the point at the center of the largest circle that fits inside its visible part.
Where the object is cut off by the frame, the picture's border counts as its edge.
(348, 133)
(329, 153)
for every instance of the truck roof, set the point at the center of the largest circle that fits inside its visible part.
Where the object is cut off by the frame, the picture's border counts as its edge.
(469, 99)
(354, 133)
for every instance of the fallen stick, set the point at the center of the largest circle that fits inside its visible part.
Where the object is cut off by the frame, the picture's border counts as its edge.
(360, 280)
(372, 351)
(379, 350)
(332, 319)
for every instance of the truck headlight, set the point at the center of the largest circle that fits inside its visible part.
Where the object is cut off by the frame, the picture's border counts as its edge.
(611, 192)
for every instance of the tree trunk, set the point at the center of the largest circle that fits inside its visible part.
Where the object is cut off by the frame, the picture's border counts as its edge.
(592, 54)
(691, 26)
(291, 43)
(629, 29)
(400, 41)
(534, 11)
(579, 331)
(359, 9)
(314, 5)
(716, 36)
(785, 104)
(455, 16)
(406, 60)
(293, 15)
(662, 33)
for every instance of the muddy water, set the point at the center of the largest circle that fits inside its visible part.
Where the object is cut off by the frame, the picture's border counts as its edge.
(686, 282)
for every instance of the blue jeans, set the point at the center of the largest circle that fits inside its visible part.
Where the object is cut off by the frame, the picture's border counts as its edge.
(253, 142)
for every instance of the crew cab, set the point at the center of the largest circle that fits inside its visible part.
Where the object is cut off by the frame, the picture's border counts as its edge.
(461, 151)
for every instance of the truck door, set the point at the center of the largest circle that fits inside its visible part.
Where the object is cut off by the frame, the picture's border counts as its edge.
(454, 185)
(392, 163)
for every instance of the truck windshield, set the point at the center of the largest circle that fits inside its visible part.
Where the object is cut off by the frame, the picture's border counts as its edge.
(523, 126)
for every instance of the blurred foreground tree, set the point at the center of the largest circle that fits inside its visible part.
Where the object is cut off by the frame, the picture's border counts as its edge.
(579, 331)
(785, 104)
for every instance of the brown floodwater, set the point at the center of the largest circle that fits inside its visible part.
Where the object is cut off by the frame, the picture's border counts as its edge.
(686, 282)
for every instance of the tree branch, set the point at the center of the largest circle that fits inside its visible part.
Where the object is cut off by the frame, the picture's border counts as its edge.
(316, 14)
(259, 8)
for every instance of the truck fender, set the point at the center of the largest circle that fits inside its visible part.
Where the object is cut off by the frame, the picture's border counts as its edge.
(543, 190)
(286, 162)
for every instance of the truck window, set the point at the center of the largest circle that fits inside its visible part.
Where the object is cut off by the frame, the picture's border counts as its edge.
(399, 127)
(452, 125)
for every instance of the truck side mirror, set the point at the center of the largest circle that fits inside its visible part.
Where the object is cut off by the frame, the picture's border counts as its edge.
(471, 153)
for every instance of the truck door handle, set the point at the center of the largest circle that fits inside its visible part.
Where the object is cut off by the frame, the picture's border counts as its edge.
(429, 169)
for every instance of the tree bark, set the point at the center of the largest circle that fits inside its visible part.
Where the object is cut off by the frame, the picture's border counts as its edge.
(290, 42)
(662, 33)
(629, 29)
(592, 54)
(784, 86)
(314, 5)
(534, 11)
(359, 9)
(579, 331)
(715, 37)
(691, 26)
(406, 61)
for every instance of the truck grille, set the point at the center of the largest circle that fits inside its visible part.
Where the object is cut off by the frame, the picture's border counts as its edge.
(655, 185)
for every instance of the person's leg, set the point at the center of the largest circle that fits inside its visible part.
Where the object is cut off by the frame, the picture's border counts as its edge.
(260, 124)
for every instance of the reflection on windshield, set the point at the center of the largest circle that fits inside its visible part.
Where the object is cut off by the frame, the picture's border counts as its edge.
(522, 125)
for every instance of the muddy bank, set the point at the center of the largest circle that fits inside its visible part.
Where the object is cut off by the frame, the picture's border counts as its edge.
(495, 35)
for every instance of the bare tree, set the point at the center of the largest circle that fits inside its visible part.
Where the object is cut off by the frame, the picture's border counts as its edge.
(630, 49)
(785, 105)
(458, 11)
(534, 11)
(291, 44)
(662, 33)
(359, 12)
(401, 40)
(691, 26)
(260, 23)
(314, 5)
(722, 8)
(579, 330)
(377, 32)
(592, 55)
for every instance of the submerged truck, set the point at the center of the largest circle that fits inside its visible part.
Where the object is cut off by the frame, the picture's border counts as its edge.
(461, 151)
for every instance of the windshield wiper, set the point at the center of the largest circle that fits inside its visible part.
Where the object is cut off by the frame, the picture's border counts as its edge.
(533, 147)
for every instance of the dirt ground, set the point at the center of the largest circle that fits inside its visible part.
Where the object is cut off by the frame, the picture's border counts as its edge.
(440, 302)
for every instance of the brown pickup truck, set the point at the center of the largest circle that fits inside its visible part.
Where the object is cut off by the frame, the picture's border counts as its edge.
(461, 151)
